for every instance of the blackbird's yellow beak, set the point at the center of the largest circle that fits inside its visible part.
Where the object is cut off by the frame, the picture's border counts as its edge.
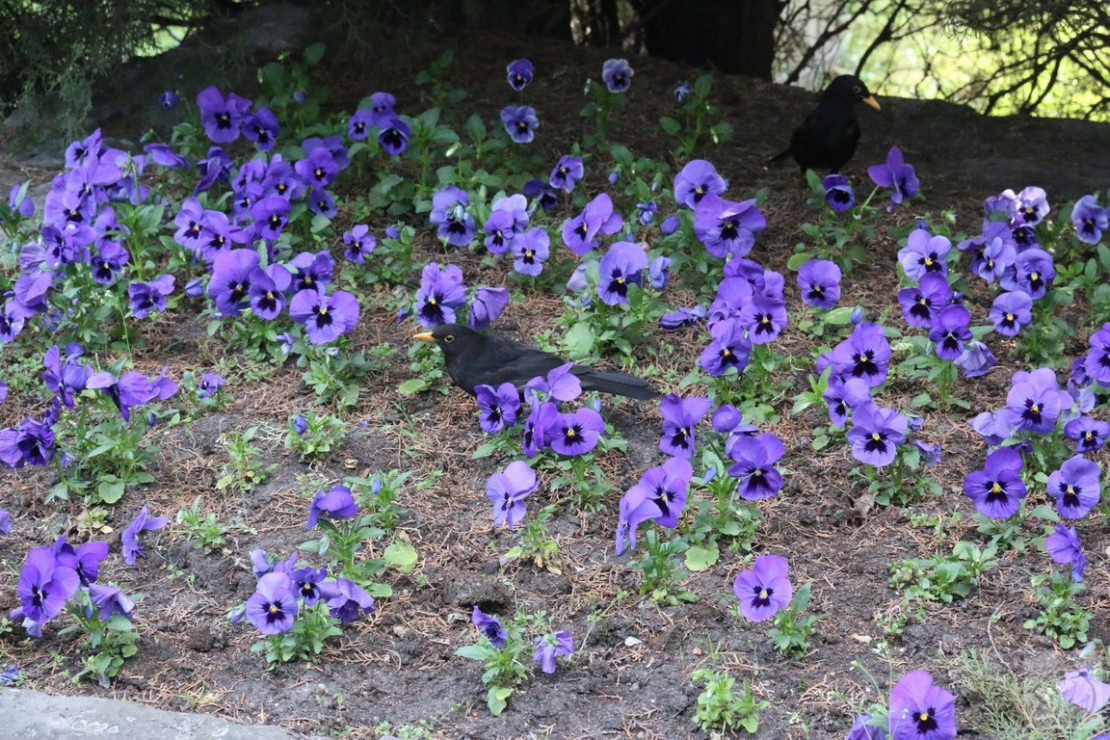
(870, 100)
(424, 337)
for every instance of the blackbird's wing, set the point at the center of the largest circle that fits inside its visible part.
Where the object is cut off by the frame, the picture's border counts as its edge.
(827, 138)
(497, 360)
(492, 360)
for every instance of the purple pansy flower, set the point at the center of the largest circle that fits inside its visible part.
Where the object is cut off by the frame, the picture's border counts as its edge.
(552, 646)
(359, 243)
(520, 123)
(143, 522)
(1011, 311)
(765, 588)
(819, 281)
(617, 75)
(575, 433)
(507, 489)
(45, 586)
(273, 605)
(454, 223)
(727, 228)
(1087, 433)
(530, 251)
(697, 179)
(1063, 547)
(490, 627)
(754, 469)
(1081, 688)
(951, 328)
(1075, 486)
(337, 503)
(896, 174)
(148, 297)
(876, 434)
(324, 317)
(346, 599)
(262, 127)
(997, 489)
(441, 292)
(1097, 363)
(729, 348)
(864, 728)
(764, 317)
(838, 193)
(597, 219)
(920, 304)
(394, 135)
(519, 73)
(921, 710)
(924, 253)
(864, 354)
(497, 407)
(1089, 219)
(568, 171)
(976, 360)
(623, 265)
(680, 415)
(209, 384)
(1035, 401)
(220, 116)
(487, 305)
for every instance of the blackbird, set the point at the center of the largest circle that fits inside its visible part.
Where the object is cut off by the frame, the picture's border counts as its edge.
(475, 359)
(828, 137)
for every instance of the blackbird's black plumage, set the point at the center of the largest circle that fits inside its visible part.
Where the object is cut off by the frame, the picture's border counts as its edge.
(474, 359)
(827, 138)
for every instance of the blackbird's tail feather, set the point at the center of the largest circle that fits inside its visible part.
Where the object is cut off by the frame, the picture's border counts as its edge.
(619, 384)
(780, 157)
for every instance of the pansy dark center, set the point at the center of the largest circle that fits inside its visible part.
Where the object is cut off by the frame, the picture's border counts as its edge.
(925, 720)
(865, 363)
(730, 229)
(877, 443)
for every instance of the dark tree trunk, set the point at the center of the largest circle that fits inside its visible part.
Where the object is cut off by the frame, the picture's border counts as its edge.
(734, 36)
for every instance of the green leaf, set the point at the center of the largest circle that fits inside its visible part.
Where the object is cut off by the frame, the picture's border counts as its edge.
(401, 555)
(379, 590)
(796, 261)
(840, 316)
(314, 53)
(484, 450)
(580, 341)
(498, 699)
(814, 182)
(703, 85)
(669, 125)
(475, 128)
(413, 386)
(110, 489)
(801, 597)
(702, 557)
(474, 652)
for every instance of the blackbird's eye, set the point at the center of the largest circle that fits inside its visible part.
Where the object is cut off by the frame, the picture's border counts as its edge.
(449, 338)
(856, 90)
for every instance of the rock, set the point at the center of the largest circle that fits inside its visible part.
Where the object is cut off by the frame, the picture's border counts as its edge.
(35, 716)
